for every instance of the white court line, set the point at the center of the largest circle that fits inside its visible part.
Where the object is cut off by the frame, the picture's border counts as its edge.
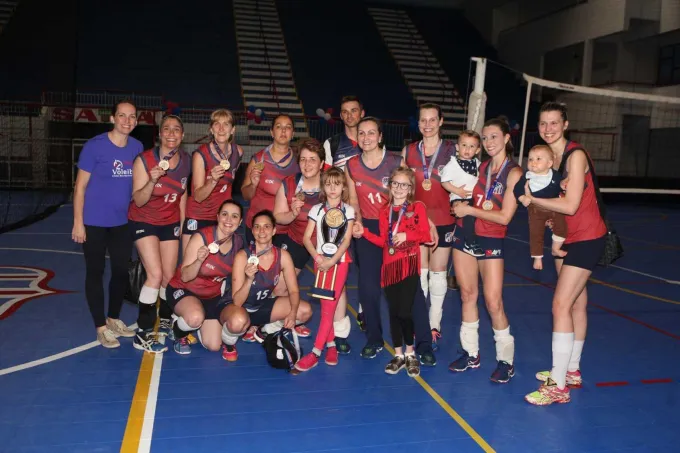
(670, 282)
(68, 252)
(150, 411)
(33, 234)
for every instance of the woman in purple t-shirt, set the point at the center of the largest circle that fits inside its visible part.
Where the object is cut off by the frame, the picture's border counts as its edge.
(100, 215)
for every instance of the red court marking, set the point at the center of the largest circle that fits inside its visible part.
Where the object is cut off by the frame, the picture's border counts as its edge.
(657, 381)
(608, 310)
(611, 384)
(18, 297)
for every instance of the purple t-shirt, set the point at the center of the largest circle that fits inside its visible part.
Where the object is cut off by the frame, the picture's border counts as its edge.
(108, 193)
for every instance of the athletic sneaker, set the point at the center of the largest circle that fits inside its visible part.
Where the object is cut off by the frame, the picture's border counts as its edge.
(249, 336)
(307, 362)
(574, 378)
(464, 362)
(332, 356)
(503, 372)
(473, 249)
(303, 331)
(548, 393)
(343, 346)
(435, 337)
(428, 359)
(371, 350)
(119, 328)
(107, 339)
(412, 365)
(147, 341)
(182, 346)
(259, 335)
(164, 326)
(361, 320)
(395, 365)
(229, 352)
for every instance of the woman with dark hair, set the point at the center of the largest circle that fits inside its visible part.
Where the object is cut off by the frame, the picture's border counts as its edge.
(213, 168)
(159, 178)
(494, 205)
(368, 176)
(267, 169)
(584, 246)
(100, 202)
(201, 288)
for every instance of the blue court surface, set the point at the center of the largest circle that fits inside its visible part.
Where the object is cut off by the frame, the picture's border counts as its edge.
(61, 392)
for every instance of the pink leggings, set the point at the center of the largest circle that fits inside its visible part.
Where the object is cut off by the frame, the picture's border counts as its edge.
(326, 334)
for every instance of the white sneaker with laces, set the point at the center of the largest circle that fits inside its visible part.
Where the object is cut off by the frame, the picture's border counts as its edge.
(107, 339)
(119, 328)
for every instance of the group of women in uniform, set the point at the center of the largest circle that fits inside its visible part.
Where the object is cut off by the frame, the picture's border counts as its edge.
(229, 286)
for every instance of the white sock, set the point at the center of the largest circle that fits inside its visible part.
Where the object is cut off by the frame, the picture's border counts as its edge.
(342, 327)
(228, 337)
(424, 280)
(438, 290)
(161, 293)
(505, 345)
(272, 327)
(469, 337)
(562, 345)
(575, 360)
(361, 309)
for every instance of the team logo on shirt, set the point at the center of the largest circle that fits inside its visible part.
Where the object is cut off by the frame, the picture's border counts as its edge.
(385, 181)
(119, 170)
(498, 188)
(276, 280)
(184, 183)
(440, 169)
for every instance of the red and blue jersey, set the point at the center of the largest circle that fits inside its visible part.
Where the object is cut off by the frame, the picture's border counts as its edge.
(483, 227)
(264, 283)
(372, 184)
(437, 198)
(163, 206)
(215, 269)
(296, 229)
(270, 180)
(207, 209)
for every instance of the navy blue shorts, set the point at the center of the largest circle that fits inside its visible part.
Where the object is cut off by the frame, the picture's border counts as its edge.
(297, 252)
(162, 232)
(583, 254)
(263, 315)
(193, 225)
(212, 307)
(493, 247)
(445, 233)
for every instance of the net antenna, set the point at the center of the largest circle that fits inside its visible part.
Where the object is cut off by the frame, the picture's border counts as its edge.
(477, 102)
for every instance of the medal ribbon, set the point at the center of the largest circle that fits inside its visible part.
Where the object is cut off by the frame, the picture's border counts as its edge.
(258, 254)
(489, 187)
(298, 189)
(170, 155)
(390, 230)
(427, 170)
(223, 240)
(268, 151)
(219, 151)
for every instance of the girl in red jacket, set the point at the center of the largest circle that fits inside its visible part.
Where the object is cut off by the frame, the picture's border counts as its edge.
(403, 228)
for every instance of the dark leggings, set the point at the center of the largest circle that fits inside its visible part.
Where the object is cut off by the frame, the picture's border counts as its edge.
(400, 298)
(118, 242)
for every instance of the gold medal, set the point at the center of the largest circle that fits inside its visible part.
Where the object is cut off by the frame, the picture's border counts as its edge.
(254, 260)
(164, 164)
(224, 163)
(213, 247)
(300, 196)
(258, 166)
(487, 205)
(427, 184)
(391, 251)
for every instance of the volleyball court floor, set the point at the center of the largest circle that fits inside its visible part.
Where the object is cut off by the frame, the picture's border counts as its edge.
(61, 392)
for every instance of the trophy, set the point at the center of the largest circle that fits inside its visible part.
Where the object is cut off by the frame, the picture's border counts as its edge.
(333, 229)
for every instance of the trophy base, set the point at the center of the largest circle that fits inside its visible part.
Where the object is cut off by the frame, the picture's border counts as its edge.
(320, 293)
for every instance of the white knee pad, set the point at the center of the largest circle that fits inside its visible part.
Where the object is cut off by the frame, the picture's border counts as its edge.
(184, 327)
(229, 338)
(423, 280)
(148, 295)
(505, 345)
(469, 337)
(438, 290)
(342, 327)
(161, 293)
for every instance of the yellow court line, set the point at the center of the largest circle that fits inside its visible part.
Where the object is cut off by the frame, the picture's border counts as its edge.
(133, 430)
(636, 293)
(442, 402)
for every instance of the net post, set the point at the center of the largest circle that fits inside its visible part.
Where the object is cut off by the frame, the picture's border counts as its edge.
(527, 102)
(480, 74)
(476, 109)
